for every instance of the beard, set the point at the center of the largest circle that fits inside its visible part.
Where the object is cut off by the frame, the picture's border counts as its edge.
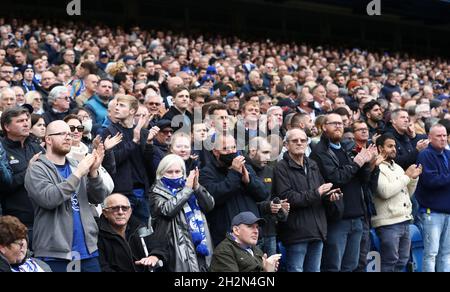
(60, 150)
(335, 136)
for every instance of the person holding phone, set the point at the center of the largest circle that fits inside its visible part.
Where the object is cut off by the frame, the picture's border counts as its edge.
(298, 180)
(393, 206)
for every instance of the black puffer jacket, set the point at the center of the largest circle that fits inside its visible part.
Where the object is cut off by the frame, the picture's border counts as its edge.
(307, 219)
(118, 254)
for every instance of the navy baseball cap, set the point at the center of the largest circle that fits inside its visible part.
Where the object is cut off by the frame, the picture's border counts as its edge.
(247, 218)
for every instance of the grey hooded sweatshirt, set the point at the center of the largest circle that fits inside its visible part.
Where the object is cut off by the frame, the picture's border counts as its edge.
(51, 197)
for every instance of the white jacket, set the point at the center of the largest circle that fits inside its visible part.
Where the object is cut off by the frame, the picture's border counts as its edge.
(392, 199)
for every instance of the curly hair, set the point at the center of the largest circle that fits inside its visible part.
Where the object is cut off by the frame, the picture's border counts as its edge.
(11, 229)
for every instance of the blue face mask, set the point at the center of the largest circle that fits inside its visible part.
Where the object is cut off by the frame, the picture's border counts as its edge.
(174, 183)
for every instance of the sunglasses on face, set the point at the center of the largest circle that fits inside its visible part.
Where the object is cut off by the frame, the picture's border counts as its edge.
(80, 129)
(116, 209)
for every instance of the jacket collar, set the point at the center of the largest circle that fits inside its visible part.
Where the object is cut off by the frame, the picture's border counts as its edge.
(434, 150)
(15, 144)
(294, 164)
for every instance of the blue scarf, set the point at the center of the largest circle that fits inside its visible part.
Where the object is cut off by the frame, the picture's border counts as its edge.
(193, 215)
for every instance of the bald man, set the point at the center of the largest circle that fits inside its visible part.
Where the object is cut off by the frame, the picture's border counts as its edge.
(120, 245)
(61, 191)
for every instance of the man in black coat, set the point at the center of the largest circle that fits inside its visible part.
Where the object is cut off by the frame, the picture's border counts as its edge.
(298, 179)
(133, 156)
(20, 150)
(272, 210)
(234, 185)
(408, 144)
(341, 251)
(120, 245)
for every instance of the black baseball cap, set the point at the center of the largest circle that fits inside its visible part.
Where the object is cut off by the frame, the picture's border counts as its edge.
(247, 218)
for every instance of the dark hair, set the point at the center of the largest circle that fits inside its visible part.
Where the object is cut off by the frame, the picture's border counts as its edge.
(71, 117)
(11, 229)
(120, 77)
(11, 113)
(34, 119)
(90, 67)
(369, 106)
(216, 107)
(179, 89)
(383, 138)
(342, 111)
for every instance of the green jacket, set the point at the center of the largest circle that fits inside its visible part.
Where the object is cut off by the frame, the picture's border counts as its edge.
(230, 257)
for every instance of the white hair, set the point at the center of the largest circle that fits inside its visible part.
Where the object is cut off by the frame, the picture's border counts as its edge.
(169, 161)
(272, 109)
(55, 93)
(7, 89)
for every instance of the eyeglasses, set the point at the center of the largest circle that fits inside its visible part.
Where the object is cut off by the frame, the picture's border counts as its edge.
(66, 98)
(296, 141)
(336, 124)
(8, 72)
(79, 128)
(116, 209)
(167, 132)
(65, 134)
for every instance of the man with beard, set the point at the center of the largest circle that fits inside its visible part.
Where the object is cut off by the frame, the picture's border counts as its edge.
(61, 192)
(98, 103)
(341, 251)
(234, 185)
(259, 152)
(374, 117)
(393, 205)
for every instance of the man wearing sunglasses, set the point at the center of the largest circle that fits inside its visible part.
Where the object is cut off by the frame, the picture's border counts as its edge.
(59, 102)
(122, 244)
(61, 191)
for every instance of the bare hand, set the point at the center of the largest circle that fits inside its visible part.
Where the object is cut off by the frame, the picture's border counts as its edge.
(325, 188)
(274, 208)
(152, 134)
(422, 144)
(245, 175)
(34, 159)
(271, 264)
(190, 180)
(110, 143)
(99, 155)
(285, 206)
(414, 171)
(151, 261)
(84, 166)
(238, 163)
(96, 142)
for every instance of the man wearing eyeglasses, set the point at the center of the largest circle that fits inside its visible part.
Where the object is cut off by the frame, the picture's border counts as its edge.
(7, 72)
(297, 179)
(342, 248)
(61, 191)
(121, 247)
(59, 102)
